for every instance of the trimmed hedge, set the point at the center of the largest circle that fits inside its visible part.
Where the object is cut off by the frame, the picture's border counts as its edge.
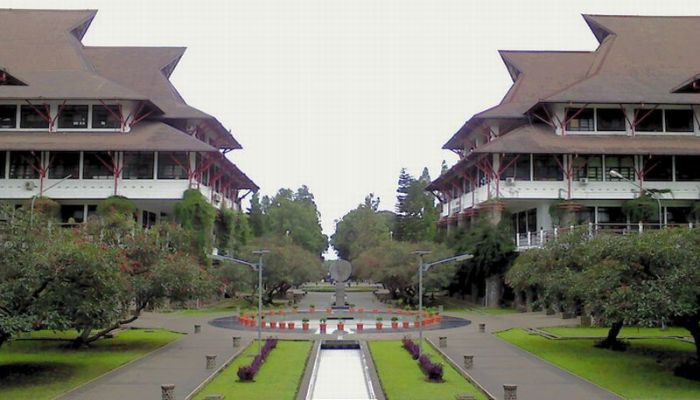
(247, 373)
(433, 371)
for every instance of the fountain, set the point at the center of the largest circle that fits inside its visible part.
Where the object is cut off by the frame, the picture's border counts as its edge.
(340, 372)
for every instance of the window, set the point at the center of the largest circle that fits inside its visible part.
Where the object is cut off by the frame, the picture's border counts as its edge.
(31, 118)
(8, 116)
(24, 165)
(611, 215)
(658, 168)
(622, 164)
(579, 119)
(106, 117)
(679, 120)
(138, 165)
(481, 178)
(678, 215)
(687, 168)
(525, 221)
(590, 167)
(72, 213)
(546, 168)
(64, 163)
(3, 156)
(649, 120)
(148, 219)
(172, 165)
(96, 165)
(611, 119)
(585, 215)
(91, 210)
(518, 169)
(73, 117)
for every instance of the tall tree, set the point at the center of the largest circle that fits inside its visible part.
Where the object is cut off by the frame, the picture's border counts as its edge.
(416, 212)
(296, 215)
(256, 215)
(360, 229)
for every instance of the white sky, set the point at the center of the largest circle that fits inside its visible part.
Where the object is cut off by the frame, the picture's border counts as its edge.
(341, 94)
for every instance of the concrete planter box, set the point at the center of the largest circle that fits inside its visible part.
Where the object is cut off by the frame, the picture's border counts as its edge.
(379, 326)
(290, 325)
(305, 326)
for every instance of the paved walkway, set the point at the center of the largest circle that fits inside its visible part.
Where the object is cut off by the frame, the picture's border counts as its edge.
(496, 362)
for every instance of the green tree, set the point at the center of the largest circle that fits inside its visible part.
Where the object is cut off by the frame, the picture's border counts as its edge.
(416, 212)
(256, 214)
(360, 229)
(233, 230)
(296, 215)
(196, 215)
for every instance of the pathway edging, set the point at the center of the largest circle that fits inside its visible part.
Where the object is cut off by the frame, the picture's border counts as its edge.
(218, 371)
(461, 370)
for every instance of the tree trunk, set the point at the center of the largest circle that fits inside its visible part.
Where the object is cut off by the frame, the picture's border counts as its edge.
(693, 325)
(82, 338)
(611, 341)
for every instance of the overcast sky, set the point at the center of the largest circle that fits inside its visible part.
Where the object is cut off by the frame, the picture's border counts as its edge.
(340, 94)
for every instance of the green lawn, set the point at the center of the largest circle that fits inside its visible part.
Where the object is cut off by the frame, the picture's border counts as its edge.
(402, 378)
(230, 306)
(43, 369)
(278, 378)
(626, 332)
(329, 289)
(644, 371)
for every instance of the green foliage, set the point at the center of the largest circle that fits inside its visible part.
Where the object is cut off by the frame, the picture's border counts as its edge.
(116, 205)
(233, 230)
(416, 212)
(256, 213)
(360, 229)
(195, 214)
(643, 208)
(392, 264)
(695, 211)
(45, 206)
(492, 247)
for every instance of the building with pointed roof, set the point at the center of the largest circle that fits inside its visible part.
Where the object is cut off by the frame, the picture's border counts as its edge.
(580, 133)
(91, 122)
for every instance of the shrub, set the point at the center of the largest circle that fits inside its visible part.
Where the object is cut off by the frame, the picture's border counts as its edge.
(45, 206)
(116, 204)
(248, 372)
(412, 348)
(643, 208)
(432, 370)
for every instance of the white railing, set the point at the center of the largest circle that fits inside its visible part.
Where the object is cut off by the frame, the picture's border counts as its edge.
(527, 240)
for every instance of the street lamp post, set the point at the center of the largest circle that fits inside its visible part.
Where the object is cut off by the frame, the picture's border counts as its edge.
(257, 267)
(424, 267)
(31, 208)
(654, 195)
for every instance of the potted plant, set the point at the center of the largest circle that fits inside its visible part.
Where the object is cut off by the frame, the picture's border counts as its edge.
(360, 310)
(290, 325)
(394, 322)
(305, 324)
(296, 308)
(416, 323)
(360, 326)
(406, 324)
(312, 308)
(341, 325)
(262, 321)
(329, 310)
(379, 323)
(273, 324)
(282, 325)
(322, 325)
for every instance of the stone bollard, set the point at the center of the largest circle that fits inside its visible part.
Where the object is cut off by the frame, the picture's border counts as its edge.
(167, 392)
(197, 328)
(214, 397)
(443, 342)
(482, 327)
(465, 396)
(236, 341)
(510, 392)
(211, 361)
(468, 361)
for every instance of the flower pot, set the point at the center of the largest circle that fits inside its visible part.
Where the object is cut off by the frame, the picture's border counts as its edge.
(272, 312)
(262, 324)
(290, 325)
(341, 326)
(328, 310)
(379, 326)
(416, 324)
(283, 325)
(394, 325)
(360, 310)
(360, 326)
(352, 310)
(375, 311)
(305, 326)
(323, 328)
(273, 324)
(312, 309)
(406, 324)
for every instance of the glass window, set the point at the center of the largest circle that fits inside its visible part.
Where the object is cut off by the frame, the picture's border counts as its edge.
(97, 165)
(481, 178)
(658, 168)
(24, 165)
(106, 117)
(590, 167)
(546, 168)
(8, 116)
(64, 163)
(73, 117)
(518, 169)
(622, 164)
(678, 215)
(679, 120)
(579, 119)
(585, 215)
(72, 213)
(138, 165)
(3, 156)
(688, 168)
(172, 165)
(649, 120)
(31, 118)
(148, 219)
(91, 210)
(611, 119)
(611, 215)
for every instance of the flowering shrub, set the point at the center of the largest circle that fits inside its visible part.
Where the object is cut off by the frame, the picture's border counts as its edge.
(247, 373)
(412, 348)
(432, 370)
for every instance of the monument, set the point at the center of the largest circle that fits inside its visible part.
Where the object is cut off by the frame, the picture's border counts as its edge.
(340, 272)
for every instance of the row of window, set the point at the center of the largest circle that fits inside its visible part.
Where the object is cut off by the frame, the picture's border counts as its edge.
(95, 165)
(78, 213)
(615, 120)
(14, 116)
